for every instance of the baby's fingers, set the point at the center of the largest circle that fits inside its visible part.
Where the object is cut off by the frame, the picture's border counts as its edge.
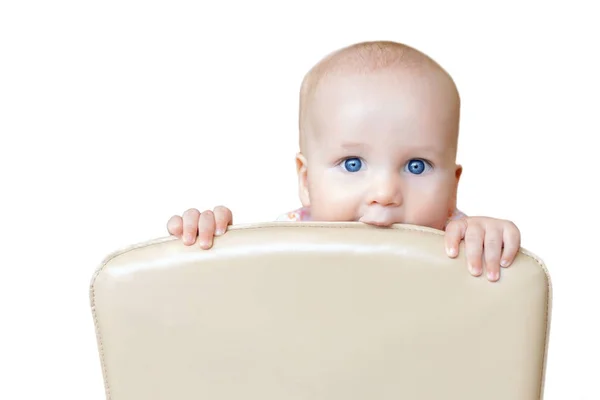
(223, 219)
(175, 226)
(190, 226)
(492, 251)
(455, 231)
(474, 237)
(512, 244)
(206, 229)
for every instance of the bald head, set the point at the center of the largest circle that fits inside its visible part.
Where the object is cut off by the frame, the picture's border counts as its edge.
(366, 58)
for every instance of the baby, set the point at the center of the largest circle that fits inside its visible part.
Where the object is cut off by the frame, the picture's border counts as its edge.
(378, 130)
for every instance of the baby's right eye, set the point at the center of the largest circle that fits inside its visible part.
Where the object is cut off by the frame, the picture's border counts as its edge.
(352, 164)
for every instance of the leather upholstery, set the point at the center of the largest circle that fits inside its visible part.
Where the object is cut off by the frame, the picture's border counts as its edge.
(319, 311)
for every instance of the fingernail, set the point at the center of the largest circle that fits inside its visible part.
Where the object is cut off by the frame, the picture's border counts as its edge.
(504, 263)
(492, 275)
(451, 251)
(219, 232)
(188, 238)
(471, 269)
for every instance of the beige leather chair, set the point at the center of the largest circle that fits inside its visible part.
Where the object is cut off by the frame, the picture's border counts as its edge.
(319, 311)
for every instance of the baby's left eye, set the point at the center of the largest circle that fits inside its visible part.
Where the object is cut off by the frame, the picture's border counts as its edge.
(352, 164)
(417, 166)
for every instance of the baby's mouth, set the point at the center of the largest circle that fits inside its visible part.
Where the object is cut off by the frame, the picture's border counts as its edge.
(379, 216)
(375, 222)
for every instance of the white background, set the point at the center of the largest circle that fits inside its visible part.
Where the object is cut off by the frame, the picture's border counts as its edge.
(115, 115)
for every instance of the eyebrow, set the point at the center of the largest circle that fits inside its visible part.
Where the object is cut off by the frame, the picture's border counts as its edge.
(353, 145)
(360, 145)
(427, 149)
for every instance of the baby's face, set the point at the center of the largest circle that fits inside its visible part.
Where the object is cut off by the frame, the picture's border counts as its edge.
(382, 150)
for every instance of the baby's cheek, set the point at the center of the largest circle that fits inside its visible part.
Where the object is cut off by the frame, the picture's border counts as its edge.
(333, 203)
(329, 208)
(429, 211)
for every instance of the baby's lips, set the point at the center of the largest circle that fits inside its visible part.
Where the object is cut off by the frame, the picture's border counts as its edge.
(376, 221)
(380, 215)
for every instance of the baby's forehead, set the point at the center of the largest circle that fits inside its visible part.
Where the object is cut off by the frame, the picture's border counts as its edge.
(402, 82)
(378, 97)
(398, 81)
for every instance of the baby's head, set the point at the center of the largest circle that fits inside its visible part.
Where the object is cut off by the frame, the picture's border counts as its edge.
(378, 137)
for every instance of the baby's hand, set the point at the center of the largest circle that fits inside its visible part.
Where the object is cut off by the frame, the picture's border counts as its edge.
(205, 225)
(498, 241)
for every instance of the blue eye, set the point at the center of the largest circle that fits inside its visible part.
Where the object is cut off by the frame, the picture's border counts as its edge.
(416, 166)
(352, 164)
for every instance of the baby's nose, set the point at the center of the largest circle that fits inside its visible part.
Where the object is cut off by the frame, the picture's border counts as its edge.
(385, 191)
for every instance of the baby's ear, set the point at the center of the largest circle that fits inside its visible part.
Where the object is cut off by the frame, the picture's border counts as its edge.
(301, 169)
